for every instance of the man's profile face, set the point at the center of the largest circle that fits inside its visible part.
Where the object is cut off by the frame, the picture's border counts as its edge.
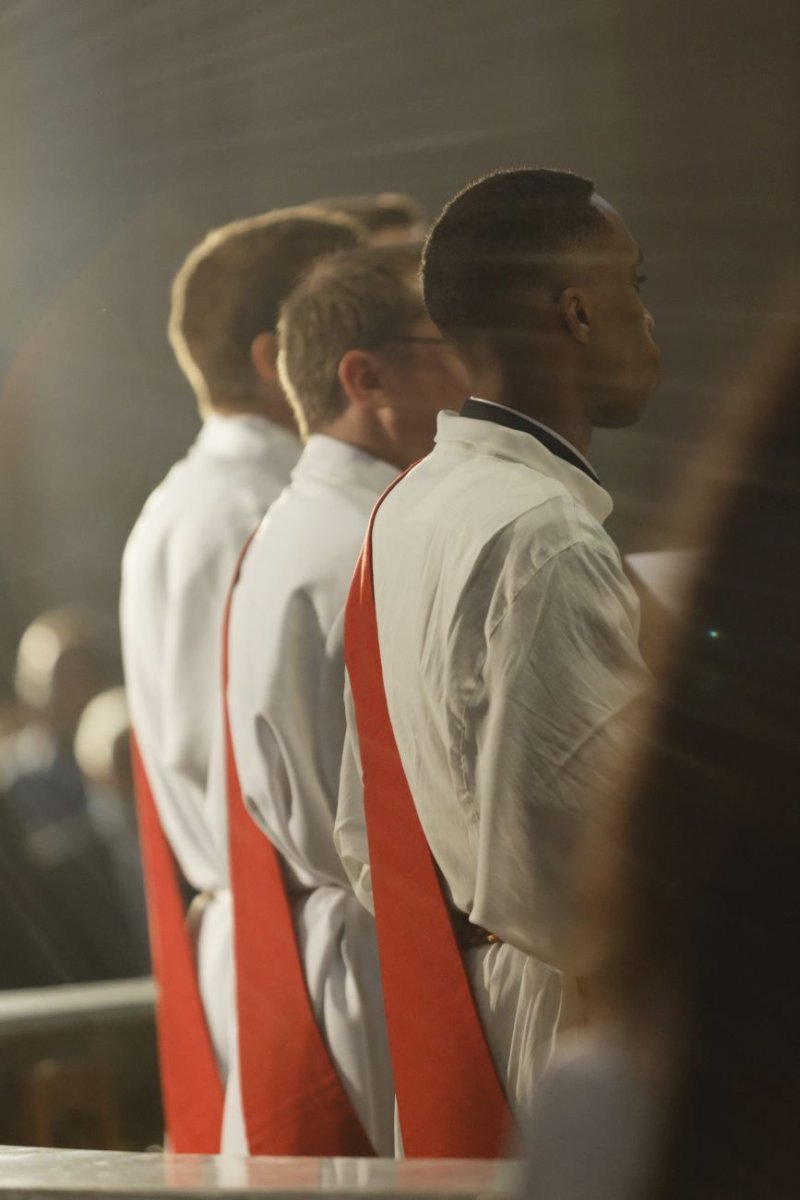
(622, 360)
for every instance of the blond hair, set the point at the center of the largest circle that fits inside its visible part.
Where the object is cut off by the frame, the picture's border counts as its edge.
(354, 300)
(231, 286)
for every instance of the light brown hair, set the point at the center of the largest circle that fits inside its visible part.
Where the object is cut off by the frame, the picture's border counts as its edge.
(354, 300)
(230, 289)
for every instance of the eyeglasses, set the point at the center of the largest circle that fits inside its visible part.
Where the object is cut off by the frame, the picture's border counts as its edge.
(404, 339)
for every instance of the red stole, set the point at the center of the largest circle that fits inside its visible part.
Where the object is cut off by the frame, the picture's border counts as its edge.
(450, 1101)
(190, 1084)
(294, 1102)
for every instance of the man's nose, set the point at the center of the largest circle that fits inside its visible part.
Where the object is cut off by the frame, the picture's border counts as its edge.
(649, 321)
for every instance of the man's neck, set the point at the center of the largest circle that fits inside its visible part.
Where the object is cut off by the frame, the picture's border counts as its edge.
(367, 434)
(564, 420)
(478, 408)
(547, 401)
(276, 411)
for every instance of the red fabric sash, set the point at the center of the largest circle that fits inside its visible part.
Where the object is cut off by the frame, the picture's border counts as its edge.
(294, 1102)
(190, 1084)
(450, 1101)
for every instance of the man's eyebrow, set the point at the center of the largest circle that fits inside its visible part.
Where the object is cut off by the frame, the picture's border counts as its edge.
(640, 256)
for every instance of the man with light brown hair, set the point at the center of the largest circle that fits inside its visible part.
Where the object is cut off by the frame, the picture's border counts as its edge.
(366, 372)
(176, 570)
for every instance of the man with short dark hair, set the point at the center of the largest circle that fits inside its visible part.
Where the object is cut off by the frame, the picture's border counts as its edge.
(536, 278)
(366, 372)
(176, 570)
(507, 631)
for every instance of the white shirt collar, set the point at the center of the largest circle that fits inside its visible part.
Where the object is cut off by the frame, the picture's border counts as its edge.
(520, 447)
(248, 435)
(540, 425)
(337, 462)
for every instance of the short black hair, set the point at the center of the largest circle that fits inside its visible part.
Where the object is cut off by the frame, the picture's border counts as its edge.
(495, 241)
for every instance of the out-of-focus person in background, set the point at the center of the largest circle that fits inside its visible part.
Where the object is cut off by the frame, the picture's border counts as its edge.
(507, 643)
(690, 1085)
(50, 843)
(388, 217)
(103, 753)
(366, 372)
(176, 571)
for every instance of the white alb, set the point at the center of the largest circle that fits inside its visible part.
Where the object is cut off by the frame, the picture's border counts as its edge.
(508, 639)
(176, 572)
(285, 697)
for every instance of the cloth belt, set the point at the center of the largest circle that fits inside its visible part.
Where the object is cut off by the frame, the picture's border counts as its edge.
(191, 1087)
(294, 1102)
(468, 935)
(450, 1101)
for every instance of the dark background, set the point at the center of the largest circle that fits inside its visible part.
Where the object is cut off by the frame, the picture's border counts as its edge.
(129, 128)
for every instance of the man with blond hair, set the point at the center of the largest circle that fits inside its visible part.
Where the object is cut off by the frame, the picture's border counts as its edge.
(176, 570)
(366, 372)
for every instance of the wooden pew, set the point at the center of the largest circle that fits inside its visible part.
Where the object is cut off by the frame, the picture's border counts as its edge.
(78, 1066)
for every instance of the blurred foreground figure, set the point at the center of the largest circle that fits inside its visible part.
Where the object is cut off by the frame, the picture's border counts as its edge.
(175, 574)
(692, 1089)
(388, 217)
(68, 910)
(502, 636)
(366, 372)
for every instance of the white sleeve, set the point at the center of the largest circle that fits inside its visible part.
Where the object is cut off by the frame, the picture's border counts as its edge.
(561, 669)
(171, 616)
(350, 833)
(190, 671)
(593, 1125)
(287, 724)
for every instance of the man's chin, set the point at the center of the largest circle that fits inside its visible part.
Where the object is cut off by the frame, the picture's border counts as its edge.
(620, 416)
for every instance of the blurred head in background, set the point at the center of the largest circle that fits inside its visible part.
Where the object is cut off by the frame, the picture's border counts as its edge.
(361, 359)
(102, 743)
(102, 750)
(537, 280)
(226, 298)
(64, 659)
(389, 217)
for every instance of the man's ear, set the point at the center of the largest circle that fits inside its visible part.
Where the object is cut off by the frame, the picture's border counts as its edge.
(360, 378)
(264, 357)
(575, 313)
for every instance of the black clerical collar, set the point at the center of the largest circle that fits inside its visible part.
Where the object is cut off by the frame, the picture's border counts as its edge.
(487, 410)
